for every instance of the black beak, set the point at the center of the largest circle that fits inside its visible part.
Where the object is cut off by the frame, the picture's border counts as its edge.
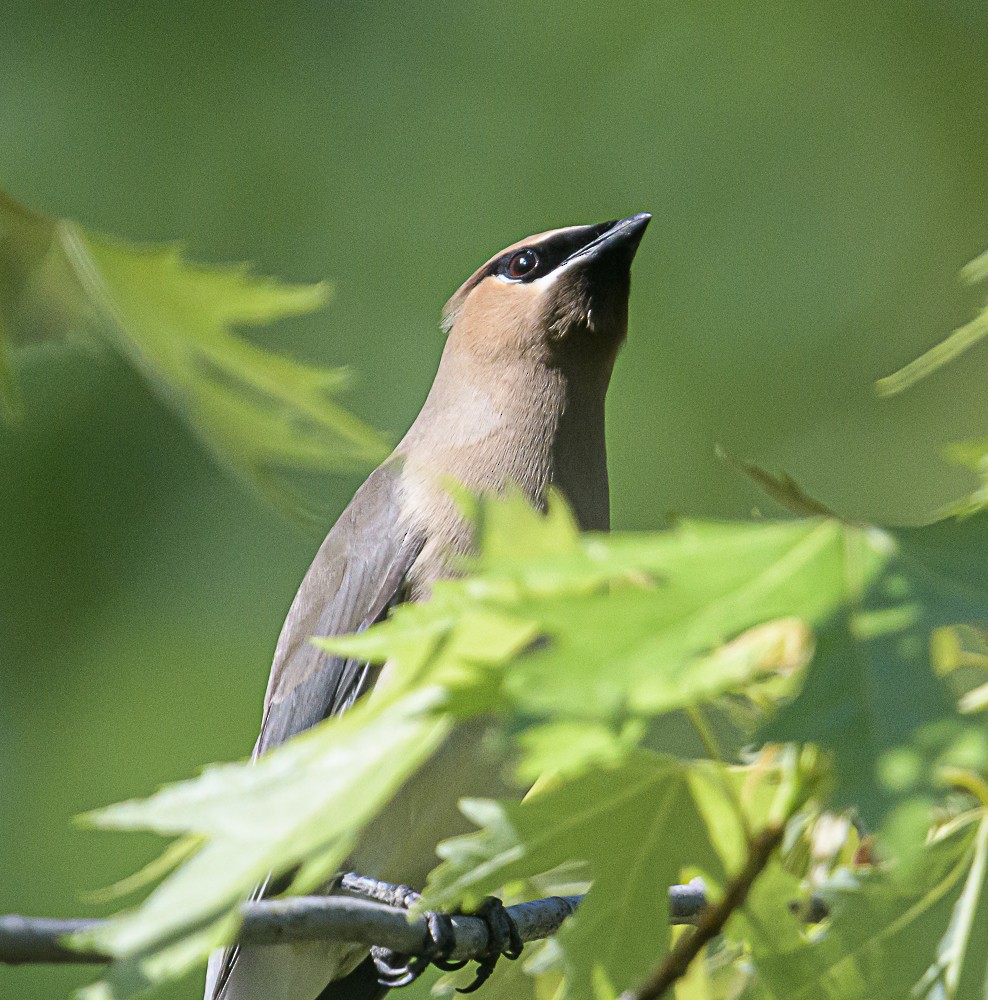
(623, 235)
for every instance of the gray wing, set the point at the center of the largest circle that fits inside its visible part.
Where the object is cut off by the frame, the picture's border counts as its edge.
(357, 575)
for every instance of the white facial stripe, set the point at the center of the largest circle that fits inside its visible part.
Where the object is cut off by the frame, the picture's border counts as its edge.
(542, 283)
(549, 279)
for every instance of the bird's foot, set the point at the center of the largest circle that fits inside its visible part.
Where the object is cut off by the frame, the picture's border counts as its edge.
(503, 938)
(395, 970)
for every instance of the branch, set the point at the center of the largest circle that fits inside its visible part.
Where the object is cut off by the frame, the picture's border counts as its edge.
(712, 921)
(324, 918)
(37, 940)
(26, 940)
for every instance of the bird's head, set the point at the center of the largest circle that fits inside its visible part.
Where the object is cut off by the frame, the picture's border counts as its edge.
(550, 295)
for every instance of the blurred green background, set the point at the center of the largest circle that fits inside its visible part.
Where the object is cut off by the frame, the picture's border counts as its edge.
(817, 173)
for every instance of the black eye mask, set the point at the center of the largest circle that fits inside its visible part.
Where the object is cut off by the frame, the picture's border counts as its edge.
(536, 261)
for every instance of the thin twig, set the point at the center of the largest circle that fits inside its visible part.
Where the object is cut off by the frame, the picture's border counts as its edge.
(712, 920)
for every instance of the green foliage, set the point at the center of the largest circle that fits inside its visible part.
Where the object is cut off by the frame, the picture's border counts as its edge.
(839, 649)
(265, 415)
(870, 696)
(654, 832)
(889, 934)
(654, 610)
(815, 171)
(301, 806)
(587, 648)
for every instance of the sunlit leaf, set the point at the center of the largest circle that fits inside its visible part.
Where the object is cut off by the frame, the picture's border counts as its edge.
(637, 826)
(266, 415)
(635, 621)
(307, 798)
(962, 959)
(570, 747)
(156, 869)
(582, 645)
(871, 696)
(650, 623)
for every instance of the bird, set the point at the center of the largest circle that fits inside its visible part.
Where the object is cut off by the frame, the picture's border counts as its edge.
(517, 403)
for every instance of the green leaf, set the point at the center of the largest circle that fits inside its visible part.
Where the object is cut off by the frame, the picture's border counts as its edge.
(645, 624)
(962, 960)
(509, 526)
(973, 455)
(766, 922)
(570, 747)
(653, 648)
(871, 696)
(882, 940)
(637, 826)
(632, 622)
(265, 415)
(156, 869)
(781, 487)
(577, 642)
(306, 799)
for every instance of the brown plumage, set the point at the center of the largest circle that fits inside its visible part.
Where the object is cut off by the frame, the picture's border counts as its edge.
(518, 399)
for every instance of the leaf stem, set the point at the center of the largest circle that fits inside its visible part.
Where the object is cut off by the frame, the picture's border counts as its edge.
(713, 919)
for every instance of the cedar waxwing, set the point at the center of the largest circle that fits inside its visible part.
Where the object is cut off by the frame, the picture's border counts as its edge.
(518, 400)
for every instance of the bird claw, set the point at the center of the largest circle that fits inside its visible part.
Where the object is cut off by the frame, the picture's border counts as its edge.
(395, 970)
(503, 940)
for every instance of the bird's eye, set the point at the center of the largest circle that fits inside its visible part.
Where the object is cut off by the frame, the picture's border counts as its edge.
(521, 263)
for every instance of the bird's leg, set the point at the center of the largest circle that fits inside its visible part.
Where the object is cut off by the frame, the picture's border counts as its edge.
(394, 969)
(503, 938)
(402, 896)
